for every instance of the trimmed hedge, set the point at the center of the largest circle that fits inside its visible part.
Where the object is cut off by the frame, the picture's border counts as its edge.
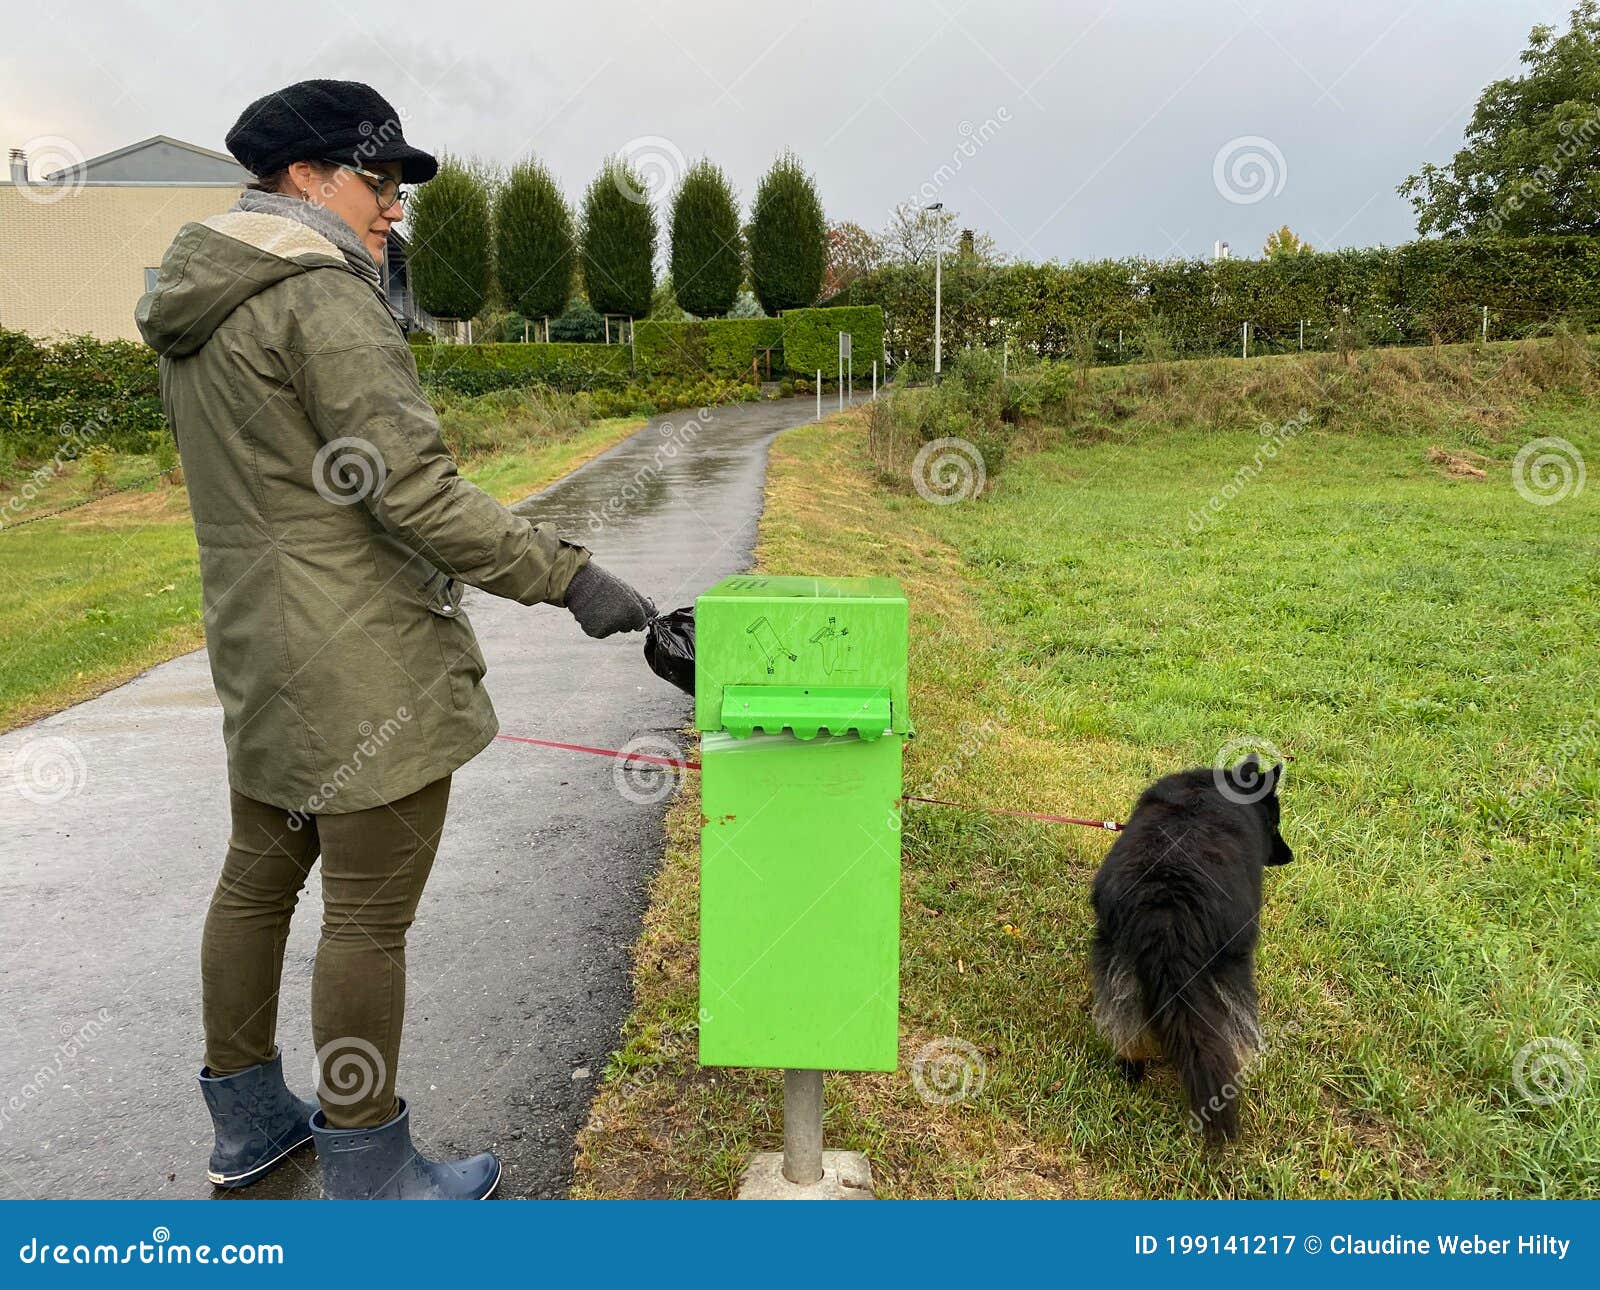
(811, 340)
(478, 369)
(1429, 290)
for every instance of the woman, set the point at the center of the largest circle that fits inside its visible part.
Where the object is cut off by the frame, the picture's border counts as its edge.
(333, 529)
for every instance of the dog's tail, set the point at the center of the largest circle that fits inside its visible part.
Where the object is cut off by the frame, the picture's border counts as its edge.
(1197, 1034)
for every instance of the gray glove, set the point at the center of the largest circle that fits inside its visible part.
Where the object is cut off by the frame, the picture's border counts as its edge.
(603, 603)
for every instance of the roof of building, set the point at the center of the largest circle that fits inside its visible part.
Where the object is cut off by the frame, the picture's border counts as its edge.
(159, 159)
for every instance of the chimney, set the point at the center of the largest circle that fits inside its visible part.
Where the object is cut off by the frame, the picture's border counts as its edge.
(19, 166)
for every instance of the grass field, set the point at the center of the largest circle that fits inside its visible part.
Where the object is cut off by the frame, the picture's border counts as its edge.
(1421, 641)
(102, 592)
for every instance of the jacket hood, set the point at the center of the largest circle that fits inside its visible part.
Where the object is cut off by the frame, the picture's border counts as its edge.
(214, 266)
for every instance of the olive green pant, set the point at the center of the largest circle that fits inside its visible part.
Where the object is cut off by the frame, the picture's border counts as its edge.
(374, 865)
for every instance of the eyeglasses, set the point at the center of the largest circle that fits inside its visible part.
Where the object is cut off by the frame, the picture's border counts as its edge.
(385, 187)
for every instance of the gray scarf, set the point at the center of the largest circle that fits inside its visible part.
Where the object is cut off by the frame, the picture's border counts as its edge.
(316, 217)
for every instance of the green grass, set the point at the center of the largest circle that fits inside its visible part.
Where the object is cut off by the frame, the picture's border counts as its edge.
(1423, 646)
(102, 592)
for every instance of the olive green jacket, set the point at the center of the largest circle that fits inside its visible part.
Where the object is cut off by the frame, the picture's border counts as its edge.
(331, 521)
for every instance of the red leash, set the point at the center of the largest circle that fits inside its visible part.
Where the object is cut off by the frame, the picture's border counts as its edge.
(1109, 826)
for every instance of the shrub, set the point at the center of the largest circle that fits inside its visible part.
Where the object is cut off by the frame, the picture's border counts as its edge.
(811, 340)
(580, 323)
(707, 259)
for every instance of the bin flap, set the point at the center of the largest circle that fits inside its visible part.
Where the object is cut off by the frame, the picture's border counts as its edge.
(804, 710)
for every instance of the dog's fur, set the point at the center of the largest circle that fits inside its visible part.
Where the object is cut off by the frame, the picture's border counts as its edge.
(1176, 906)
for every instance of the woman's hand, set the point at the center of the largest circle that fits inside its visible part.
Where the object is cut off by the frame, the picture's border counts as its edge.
(603, 603)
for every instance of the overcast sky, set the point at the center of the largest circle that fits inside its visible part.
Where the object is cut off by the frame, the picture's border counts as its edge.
(1065, 130)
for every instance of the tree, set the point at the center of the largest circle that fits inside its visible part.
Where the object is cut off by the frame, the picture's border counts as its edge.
(619, 241)
(788, 237)
(707, 251)
(915, 233)
(1285, 242)
(1532, 149)
(448, 256)
(534, 249)
(852, 251)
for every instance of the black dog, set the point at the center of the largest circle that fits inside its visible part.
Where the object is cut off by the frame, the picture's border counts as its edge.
(1176, 907)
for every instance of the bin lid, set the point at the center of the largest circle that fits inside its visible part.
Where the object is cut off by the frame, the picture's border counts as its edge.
(804, 710)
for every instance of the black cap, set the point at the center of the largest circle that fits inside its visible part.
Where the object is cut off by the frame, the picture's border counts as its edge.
(325, 120)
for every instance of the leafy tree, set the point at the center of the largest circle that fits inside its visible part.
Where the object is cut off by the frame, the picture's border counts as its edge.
(852, 251)
(707, 252)
(1285, 242)
(788, 237)
(448, 256)
(1531, 160)
(534, 249)
(619, 241)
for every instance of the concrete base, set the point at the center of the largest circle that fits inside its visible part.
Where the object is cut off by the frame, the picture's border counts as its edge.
(846, 1175)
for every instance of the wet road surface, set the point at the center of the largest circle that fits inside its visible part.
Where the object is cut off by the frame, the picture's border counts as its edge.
(518, 962)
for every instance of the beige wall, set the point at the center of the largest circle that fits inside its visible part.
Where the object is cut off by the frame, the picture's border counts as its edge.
(76, 265)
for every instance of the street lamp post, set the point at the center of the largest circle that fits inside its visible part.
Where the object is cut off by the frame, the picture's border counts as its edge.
(938, 294)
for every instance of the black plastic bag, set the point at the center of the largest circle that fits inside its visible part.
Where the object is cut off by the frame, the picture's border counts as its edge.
(669, 647)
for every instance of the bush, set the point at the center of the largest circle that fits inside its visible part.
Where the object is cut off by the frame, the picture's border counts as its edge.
(73, 393)
(811, 340)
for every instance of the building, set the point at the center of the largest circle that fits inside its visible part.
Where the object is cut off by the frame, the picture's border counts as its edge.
(81, 245)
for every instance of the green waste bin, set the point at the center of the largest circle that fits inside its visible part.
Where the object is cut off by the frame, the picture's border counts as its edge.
(800, 697)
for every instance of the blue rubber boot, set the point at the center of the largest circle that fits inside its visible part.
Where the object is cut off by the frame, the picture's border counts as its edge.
(258, 1122)
(381, 1164)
